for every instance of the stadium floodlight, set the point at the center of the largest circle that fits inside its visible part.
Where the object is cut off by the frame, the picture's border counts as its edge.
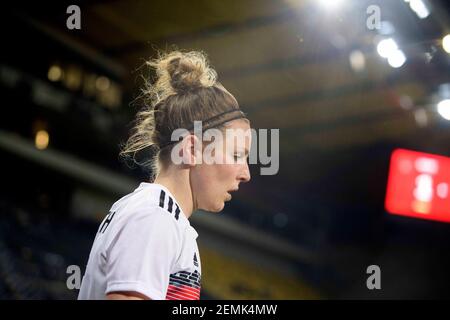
(443, 109)
(396, 59)
(386, 47)
(331, 4)
(419, 7)
(55, 73)
(41, 139)
(446, 43)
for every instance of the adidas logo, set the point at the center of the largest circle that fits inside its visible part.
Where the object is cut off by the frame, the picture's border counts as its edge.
(195, 260)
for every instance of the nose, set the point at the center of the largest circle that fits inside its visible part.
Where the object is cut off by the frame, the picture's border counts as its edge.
(244, 175)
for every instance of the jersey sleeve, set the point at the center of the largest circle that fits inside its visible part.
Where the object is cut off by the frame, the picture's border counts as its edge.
(141, 256)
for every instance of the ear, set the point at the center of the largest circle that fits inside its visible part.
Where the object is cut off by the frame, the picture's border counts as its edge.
(191, 150)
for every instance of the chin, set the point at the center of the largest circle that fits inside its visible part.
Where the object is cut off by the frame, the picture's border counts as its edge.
(217, 207)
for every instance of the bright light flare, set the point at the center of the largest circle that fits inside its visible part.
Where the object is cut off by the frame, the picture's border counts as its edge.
(419, 7)
(446, 43)
(443, 109)
(55, 73)
(41, 139)
(331, 4)
(386, 47)
(396, 59)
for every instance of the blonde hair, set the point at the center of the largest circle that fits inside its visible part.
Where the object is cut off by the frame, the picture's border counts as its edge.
(186, 90)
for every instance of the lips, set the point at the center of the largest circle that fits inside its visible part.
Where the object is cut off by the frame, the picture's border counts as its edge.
(229, 193)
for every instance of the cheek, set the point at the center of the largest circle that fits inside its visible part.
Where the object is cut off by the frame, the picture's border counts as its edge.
(214, 180)
(207, 178)
(225, 173)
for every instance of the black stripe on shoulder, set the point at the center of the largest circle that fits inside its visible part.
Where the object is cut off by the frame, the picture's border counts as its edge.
(171, 202)
(162, 198)
(177, 211)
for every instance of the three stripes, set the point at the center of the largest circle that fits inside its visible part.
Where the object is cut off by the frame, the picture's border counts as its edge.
(162, 200)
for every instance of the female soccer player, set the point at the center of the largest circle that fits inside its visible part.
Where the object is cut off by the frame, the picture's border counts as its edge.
(145, 248)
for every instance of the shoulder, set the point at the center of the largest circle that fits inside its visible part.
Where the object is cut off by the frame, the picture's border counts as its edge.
(160, 199)
(145, 227)
(152, 217)
(169, 205)
(150, 205)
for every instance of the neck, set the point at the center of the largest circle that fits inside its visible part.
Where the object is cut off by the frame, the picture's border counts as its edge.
(176, 180)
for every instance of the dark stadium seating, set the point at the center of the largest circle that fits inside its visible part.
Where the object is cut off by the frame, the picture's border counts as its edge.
(35, 251)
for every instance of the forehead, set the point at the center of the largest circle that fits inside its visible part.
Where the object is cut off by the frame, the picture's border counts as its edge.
(242, 124)
(238, 134)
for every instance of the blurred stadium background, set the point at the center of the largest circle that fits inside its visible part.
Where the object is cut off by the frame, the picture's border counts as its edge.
(313, 69)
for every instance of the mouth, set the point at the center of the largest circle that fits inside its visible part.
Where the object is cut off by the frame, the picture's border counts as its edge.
(229, 193)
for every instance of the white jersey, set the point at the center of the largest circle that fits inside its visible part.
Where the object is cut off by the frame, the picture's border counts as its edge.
(147, 245)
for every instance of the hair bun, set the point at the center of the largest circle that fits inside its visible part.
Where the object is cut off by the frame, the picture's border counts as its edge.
(179, 72)
(184, 75)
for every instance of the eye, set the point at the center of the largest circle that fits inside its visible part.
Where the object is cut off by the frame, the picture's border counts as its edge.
(238, 155)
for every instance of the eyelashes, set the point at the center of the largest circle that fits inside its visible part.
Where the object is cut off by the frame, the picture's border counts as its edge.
(239, 156)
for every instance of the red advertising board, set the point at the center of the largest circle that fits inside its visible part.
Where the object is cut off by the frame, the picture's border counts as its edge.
(418, 185)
